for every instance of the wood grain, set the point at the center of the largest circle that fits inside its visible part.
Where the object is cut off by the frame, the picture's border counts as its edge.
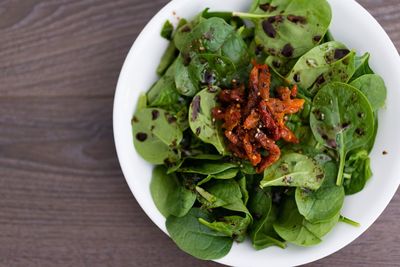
(63, 199)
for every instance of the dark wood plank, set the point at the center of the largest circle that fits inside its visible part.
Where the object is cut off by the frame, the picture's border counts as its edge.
(63, 199)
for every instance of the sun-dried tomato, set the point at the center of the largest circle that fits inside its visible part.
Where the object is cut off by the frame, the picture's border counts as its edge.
(253, 121)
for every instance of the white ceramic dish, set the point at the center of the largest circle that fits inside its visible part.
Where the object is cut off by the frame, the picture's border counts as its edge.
(353, 26)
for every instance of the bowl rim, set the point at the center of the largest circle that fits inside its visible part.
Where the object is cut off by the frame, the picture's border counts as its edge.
(119, 144)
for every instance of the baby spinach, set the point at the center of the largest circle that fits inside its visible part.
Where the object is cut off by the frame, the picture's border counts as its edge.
(172, 52)
(207, 167)
(294, 228)
(203, 70)
(223, 193)
(289, 28)
(167, 30)
(227, 174)
(232, 226)
(373, 87)
(282, 66)
(242, 181)
(167, 59)
(201, 121)
(215, 36)
(358, 170)
(197, 239)
(341, 119)
(362, 66)
(212, 54)
(327, 62)
(326, 202)
(169, 195)
(295, 170)
(156, 135)
(164, 95)
(200, 157)
(262, 233)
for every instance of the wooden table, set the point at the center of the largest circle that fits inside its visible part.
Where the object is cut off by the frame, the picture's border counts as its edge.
(63, 198)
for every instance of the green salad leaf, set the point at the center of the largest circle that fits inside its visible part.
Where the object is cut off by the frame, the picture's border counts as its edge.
(289, 28)
(262, 233)
(329, 62)
(326, 202)
(341, 119)
(156, 135)
(294, 228)
(358, 170)
(294, 170)
(374, 89)
(362, 66)
(197, 239)
(201, 121)
(169, 195)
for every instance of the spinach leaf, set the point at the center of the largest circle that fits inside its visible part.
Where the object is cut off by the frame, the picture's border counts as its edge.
(294, 228)
(282, 66)
(213, 53)
(328, 62)
(197, 239)
(232, 226)
(262, 233)
(164, 95)
(341, 119)
(242, 181)
(348, 221)
(225, 194)
(308, 144)
(215, 36)
(169, 195)
(325, 203)
(295, 170)
(203, 70)
(359, 171)
(142, 102)
(197, 158)
(362, 66)
(201, 121)
(373, 87)
(156, 135)
(167, 59)
(206, 167)
(227, 174)
(167, 30)
(171, 53)
(289, 28)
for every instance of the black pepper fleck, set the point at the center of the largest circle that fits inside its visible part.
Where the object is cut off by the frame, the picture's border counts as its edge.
(195, 107)
(141, 137)
(340, 53)
(269, 29)
(287, 50)
(297, 19)
(317, 38)
(154, 114)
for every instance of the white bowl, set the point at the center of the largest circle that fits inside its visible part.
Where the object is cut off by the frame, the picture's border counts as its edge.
(352, 25)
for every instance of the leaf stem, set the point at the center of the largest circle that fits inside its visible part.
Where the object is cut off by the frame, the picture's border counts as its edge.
(342, 160)
(244, 15)
(347, 175)
(348, 221)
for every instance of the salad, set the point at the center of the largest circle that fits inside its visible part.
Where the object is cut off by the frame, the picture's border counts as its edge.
(259, 125)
